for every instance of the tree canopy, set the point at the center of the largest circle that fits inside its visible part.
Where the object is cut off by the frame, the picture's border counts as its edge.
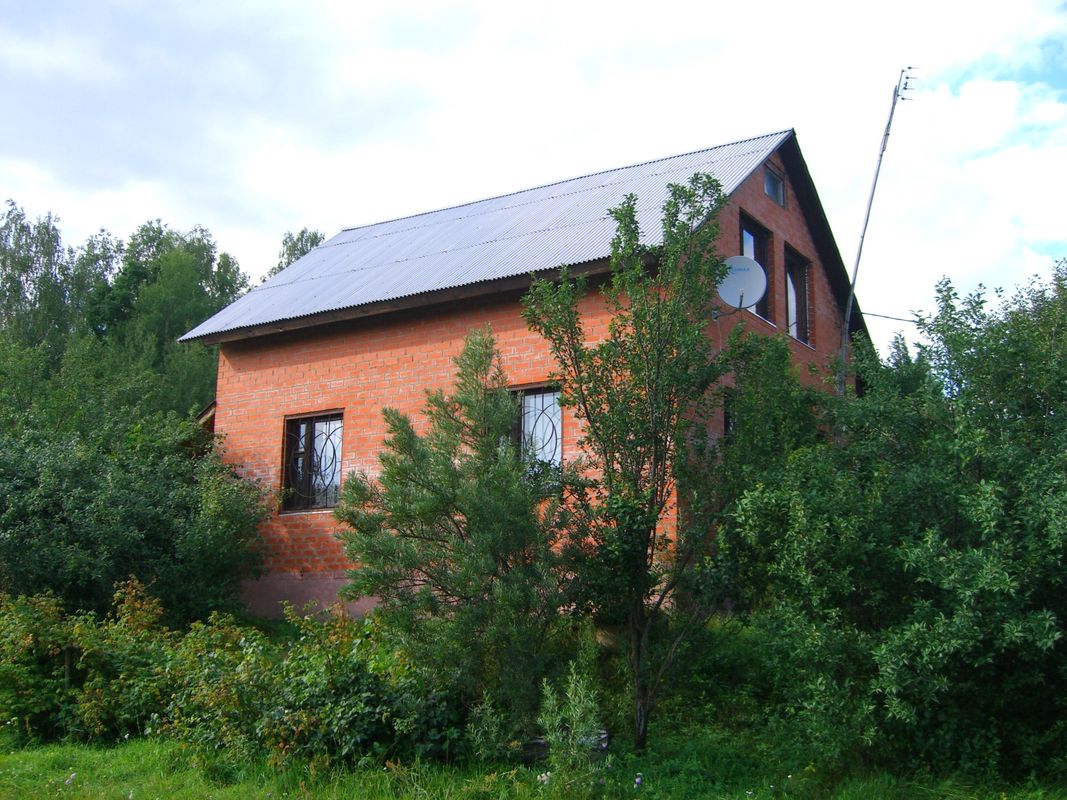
(643, 396)
(100, 476)
(906, 550)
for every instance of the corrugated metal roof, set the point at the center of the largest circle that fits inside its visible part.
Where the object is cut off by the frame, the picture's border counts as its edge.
(507, 236)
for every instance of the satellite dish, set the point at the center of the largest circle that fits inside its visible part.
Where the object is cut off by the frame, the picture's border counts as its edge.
(744, 284)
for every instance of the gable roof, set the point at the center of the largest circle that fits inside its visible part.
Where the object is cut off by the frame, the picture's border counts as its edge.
(417, 259)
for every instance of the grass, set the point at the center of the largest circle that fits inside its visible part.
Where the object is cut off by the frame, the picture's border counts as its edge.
(153, 768)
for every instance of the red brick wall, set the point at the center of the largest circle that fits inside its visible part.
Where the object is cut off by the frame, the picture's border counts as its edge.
(787, 227)
(362, 366)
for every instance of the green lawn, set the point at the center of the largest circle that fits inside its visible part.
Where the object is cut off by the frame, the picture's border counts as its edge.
(158, 769)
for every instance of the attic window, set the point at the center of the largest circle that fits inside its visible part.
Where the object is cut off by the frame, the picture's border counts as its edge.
(755, 244)
(774, 186)
(796, 296)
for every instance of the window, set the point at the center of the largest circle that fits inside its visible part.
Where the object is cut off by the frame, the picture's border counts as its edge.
(774, 186)
(539, 429)
(729, 410)
(312, 462)
(754, 240)
(796, 296)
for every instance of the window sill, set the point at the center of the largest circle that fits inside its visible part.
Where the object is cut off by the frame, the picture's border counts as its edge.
(288, 512)
(761, 318)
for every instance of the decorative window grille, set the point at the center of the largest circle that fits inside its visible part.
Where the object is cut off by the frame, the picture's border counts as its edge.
(540, 426)
(312, 462)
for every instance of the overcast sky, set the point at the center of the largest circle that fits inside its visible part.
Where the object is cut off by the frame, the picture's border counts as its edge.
(252, 119)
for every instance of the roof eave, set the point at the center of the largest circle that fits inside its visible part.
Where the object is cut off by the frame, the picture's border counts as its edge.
(498, 286)
(819, 225)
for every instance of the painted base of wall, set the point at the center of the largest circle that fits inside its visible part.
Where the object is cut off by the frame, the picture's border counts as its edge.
(264, 597)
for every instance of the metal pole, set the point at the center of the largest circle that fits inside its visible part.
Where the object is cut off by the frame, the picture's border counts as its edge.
(902, 84)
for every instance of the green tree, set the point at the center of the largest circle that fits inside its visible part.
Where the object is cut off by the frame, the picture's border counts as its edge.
(294, 247)
(95, 483)
(910, 566)
(151, 499)
(643, 397)
(34, 273)
(456, 539)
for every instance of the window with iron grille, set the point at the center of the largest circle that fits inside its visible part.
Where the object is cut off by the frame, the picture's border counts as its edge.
(539, 428)
(312, 462)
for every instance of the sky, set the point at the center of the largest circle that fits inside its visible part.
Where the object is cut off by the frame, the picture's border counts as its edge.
(253, 119)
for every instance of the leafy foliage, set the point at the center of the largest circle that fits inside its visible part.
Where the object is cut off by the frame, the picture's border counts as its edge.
(911, 564)
(642, 394)
(570, 718)
(456, 538)
(137, 297)
(77, 675)
(97, 482)
(295, 246)
(331, 695)
(154, 500)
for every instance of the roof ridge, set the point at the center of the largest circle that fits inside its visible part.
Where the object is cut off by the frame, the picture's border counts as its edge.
(561, 181)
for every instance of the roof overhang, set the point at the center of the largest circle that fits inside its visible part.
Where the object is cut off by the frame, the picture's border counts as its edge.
(471, 291)
(819, 225)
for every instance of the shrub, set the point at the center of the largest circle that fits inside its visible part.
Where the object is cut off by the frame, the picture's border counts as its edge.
(152, 500)
(329, 697)
(124, 685)
(37, 662)
(223, 676)
(335, 704)
(76, 675)
(570, 719)
(909, 568)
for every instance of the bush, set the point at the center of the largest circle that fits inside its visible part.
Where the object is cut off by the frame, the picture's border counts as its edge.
(340, 699)
(223, 675)
(37, 660)
(76, 675)
(908, 568)
(148, 499)
(125, 686)
(331, 696)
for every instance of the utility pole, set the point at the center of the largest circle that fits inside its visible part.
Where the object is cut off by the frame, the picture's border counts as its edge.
(898, 92)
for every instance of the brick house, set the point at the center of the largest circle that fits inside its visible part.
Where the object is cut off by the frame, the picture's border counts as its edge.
(375, 315)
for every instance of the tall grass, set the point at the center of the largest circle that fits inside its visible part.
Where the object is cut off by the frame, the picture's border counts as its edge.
(680, 769)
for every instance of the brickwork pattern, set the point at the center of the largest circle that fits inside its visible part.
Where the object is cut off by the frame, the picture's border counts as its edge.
(360, 367)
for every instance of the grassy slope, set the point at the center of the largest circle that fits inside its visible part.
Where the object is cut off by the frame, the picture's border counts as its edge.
(157, 769)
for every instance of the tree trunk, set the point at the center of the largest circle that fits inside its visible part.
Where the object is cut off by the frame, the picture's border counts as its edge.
(639, 663)
(640, 724)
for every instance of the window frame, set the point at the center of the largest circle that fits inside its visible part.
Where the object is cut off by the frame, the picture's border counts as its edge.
(298, 493)
(761, 254)
(797, 279)
(518, 431)
(771, 174)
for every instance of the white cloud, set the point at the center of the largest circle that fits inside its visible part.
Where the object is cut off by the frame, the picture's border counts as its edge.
(256, 120)
(63, 56)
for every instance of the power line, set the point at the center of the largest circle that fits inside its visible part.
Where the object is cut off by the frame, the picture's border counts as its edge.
(913, 321)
